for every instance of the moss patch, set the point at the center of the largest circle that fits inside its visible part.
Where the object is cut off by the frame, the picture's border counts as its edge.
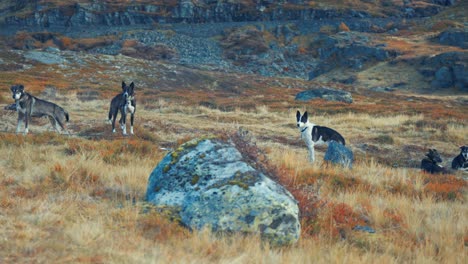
(242, 179)
(175, 155)
(195, 179)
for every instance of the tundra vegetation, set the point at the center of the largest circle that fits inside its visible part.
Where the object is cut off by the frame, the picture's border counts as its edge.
(80, 198)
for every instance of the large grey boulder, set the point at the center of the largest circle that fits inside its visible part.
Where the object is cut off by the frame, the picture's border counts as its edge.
(339, 154)
(325, 93)
(213, 187)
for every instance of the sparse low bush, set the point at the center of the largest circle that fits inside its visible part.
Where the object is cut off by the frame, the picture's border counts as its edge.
(445, 187)
(384, 139)
(343, 27)
(159, 51)
(243, 44)
(328, 29)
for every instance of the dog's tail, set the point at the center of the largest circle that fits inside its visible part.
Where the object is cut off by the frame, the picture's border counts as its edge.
(67, 117)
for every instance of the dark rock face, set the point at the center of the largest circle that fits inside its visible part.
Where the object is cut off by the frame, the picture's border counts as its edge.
(457, 38)
(443, 78)
(346, 49)
(212, 186)
(339, 154)
(99, 13)
(447, 69)
(188, 11)
(325, 93)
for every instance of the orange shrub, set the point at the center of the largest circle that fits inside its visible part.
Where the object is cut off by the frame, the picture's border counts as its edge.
(338, 219)
(445, 187)
(66, 43)
(343, 27)
(393, 219)
(129, 43)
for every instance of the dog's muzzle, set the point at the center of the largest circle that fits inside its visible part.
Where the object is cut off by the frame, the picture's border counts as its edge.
(17, 96)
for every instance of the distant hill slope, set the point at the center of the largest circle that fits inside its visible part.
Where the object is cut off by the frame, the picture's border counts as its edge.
(381, 45)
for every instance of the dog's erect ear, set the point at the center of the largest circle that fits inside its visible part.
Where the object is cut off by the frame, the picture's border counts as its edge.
(304, 117)
(132, 85)
(123, 85)
(298, 115)
(17, 87)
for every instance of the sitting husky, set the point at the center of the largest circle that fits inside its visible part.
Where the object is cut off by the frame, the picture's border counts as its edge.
(313, 134)
(29, 106)
(429, 163)
(460, 162)
(125, 102)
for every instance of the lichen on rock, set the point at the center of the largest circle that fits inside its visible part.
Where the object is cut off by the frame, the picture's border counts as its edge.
(216, 188)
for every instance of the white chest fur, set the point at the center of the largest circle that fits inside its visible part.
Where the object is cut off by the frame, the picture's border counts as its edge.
(19, 108)
(129, 108)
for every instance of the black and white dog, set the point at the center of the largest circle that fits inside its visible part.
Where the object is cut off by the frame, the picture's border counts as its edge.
(315, 135)
(429, 163)
(125, 102)
(29, 106)
(460, 162)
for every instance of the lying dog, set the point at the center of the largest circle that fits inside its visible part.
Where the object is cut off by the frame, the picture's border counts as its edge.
(313, 134)
(460, 162)
(29, 106)
(429, 163)
(125, 102)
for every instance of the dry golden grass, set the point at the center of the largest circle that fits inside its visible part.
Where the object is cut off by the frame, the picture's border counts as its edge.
(80, 199)
(72, 199)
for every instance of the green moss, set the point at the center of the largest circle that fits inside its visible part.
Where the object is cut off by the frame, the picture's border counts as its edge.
(187, 145)
(195, 179)
(243, 185)
(241, 179)
(166, 168)
(169, 212)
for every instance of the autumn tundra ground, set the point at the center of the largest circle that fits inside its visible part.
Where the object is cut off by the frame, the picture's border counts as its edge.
(80, 198)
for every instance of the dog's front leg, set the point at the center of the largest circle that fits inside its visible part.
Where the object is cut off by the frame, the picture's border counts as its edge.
(122, 121)
(20, 122)
(27, 116)
(311, 153)
(131, 123)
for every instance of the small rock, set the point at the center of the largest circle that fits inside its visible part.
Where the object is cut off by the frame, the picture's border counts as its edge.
(339, 154)
(325, 93)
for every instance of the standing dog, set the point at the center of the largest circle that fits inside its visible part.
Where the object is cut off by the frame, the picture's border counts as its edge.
(460, 162)
(429, 163)
(125, 102)
(29, 106)
(313, 134)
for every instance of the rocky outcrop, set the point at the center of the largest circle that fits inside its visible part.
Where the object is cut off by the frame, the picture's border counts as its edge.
(38, 13)
(100, 13)
(346, 49)
(454, 37)
(325, 93)
(45, 57)
(446, 70)
(213, 187)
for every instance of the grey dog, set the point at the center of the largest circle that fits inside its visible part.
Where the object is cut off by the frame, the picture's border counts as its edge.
(29, 106)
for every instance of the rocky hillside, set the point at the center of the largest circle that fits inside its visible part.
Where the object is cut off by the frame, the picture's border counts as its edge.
(381, 45)
(116, 13)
